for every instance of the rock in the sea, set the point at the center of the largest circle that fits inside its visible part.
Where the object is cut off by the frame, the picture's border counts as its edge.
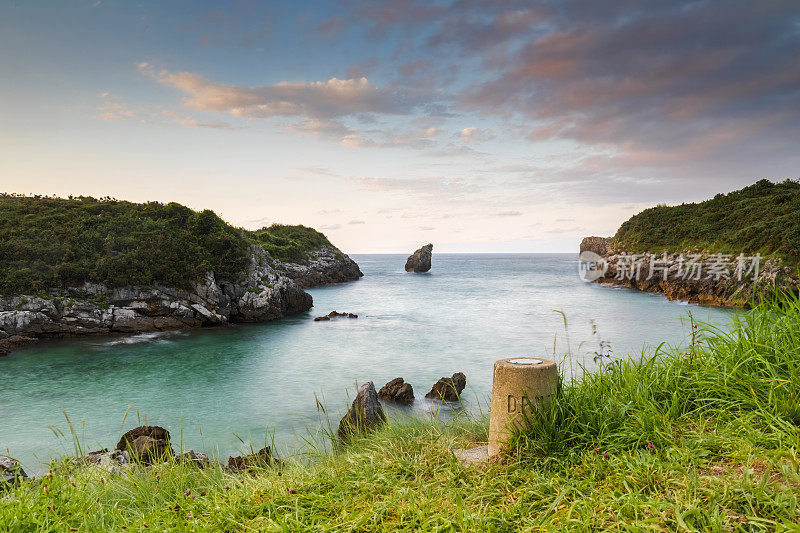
(420, 261)
(261, 458)
(147, 444)
(397, 391)
(335, 314)
(365, 414)
(448, 389)
(11, 472)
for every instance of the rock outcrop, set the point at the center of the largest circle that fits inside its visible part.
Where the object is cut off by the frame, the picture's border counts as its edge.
(11, 472)
(364, 415)
(420, 261)
(324, 266)
(335, 314)
(694, 277)
(268, 290)
(397, 391)
(448, 389)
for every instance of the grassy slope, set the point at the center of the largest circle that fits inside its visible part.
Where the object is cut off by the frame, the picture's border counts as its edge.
(705, 438)
(55, 242)
(764, 217)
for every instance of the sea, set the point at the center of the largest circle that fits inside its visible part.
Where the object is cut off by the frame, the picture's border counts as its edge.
(286, 383)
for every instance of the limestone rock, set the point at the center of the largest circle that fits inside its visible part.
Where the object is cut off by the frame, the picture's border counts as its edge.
(11, 472)
(324, 266)
(420, 261)
(398, 391)
(365, 414)
(448, 389)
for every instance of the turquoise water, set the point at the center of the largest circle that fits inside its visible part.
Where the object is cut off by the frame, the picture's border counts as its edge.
(263, 380)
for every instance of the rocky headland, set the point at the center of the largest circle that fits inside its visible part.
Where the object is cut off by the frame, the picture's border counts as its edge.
(268, 290)
(80, 266)
(695, 277)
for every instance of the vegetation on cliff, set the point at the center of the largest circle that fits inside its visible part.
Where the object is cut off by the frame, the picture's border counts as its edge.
(700, 437)
(55, 242)
(762, 218)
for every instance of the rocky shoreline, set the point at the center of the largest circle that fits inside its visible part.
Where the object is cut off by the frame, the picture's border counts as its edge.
(694, 277)
(268, 290)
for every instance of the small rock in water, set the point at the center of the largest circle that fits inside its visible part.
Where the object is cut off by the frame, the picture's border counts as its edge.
(11, 472)
(335, 314)
(448, 389)
(420, 261)
(397, 391)
(364, 415)
(261, 458)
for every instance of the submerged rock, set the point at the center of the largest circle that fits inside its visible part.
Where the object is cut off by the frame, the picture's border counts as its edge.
(398, 391)
(420, 261)
(261, 458)
(365, 414)
(335, 314)
(449, 389)
(11, 472)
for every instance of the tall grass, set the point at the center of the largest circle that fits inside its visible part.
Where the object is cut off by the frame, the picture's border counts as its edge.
(749, 371)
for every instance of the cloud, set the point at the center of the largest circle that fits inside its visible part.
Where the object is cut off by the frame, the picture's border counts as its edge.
(330, 227)
(474, 134)
(356, 222)
(506, 214)
(426, 228)
(320, 100)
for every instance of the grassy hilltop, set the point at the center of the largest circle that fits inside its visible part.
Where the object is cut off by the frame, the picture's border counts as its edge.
(762, 218)
(700, 438)
(55, 242)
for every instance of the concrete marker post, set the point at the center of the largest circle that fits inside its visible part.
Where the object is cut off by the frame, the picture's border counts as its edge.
(519, 385)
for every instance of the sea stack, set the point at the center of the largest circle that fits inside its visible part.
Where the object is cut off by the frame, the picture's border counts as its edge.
(420, 261)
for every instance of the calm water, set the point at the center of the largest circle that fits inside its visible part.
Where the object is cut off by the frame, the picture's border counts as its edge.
(259, 380)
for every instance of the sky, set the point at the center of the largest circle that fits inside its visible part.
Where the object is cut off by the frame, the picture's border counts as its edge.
(494, 126)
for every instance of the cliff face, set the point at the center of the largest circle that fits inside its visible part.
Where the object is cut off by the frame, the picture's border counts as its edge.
(707, 279)
(324, 266)
(268, 290)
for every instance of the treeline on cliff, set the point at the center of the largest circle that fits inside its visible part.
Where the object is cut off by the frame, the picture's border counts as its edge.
(762, 218)
(48, 242)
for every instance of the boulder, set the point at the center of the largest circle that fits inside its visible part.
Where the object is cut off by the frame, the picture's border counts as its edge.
(261, 458)
(11, 472)
(397, 391)
(149, 450)
(146, 443)
(365, 413)
(420, 261)
(448, 389)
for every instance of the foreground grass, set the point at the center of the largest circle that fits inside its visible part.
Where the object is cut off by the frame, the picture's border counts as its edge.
(699, 439)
